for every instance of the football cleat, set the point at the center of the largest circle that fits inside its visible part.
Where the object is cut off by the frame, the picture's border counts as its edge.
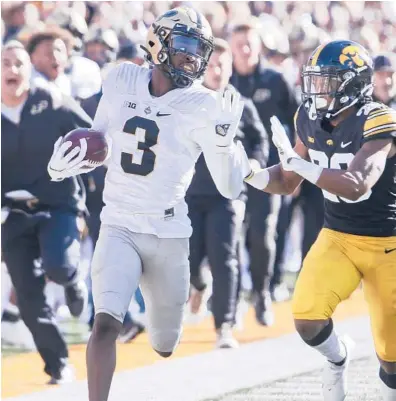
(334, 387)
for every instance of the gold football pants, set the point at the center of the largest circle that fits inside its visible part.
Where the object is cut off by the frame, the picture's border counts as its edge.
(333, 269)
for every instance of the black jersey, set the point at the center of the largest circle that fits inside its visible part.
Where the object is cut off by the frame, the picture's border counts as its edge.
(374, 214)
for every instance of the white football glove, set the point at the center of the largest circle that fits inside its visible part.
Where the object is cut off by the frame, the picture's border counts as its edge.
(229, 110)
(62, 166)
(282, 142)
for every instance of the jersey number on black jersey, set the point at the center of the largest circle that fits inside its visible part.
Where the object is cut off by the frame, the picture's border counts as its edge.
(150, 139)
(337, 161)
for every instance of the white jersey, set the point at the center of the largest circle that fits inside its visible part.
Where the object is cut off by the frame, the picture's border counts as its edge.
(154, 150)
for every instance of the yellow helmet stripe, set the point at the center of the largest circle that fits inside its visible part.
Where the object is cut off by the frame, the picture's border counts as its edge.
(316, 55)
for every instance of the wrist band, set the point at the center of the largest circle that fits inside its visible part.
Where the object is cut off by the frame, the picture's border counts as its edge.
(311, 172)
(258, 179)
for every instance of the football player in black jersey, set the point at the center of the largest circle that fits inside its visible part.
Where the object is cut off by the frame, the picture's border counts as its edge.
(346, 145)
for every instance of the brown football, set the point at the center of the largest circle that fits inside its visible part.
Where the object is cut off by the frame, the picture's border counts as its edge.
(97, 146)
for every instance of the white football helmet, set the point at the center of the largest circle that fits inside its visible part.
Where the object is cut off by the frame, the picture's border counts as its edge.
(180, 30)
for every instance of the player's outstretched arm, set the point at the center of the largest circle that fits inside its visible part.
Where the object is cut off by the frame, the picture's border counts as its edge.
(275, 179)
(362, 174)
(228, 169)
(227, 161)
(364, 171)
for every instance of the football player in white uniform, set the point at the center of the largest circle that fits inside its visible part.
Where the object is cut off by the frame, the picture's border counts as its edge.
(159, 121)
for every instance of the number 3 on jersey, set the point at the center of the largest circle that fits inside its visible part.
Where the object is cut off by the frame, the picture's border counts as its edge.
(337, 161)
(151, 132)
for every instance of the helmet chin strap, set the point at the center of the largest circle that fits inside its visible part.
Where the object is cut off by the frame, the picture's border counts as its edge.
(312, 112)
(366, 91)
(180, 80)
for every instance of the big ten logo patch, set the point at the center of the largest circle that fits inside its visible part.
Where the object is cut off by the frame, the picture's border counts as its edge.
(130, 105)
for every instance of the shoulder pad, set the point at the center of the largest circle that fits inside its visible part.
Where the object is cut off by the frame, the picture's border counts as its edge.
(123, 78)
(381, 119)
(367, 108)
(194, 99)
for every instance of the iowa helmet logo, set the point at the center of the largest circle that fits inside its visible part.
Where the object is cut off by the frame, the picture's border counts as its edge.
(352, 56)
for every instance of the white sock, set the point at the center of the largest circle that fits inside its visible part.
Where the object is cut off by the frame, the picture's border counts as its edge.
(332, 348)
(388, 394)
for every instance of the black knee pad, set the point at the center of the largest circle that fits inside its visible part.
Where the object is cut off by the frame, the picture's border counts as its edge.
(322, 336)
(389, 380)
(164, 354)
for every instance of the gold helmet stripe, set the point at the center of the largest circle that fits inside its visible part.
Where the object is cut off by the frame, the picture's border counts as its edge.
(316, 55)
(199, 20)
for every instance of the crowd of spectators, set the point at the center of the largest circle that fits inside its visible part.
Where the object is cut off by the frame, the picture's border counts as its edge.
(72, 45)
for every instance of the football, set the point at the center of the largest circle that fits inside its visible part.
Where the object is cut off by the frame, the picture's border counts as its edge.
(97, 146)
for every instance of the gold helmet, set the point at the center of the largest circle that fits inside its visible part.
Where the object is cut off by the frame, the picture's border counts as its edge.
(180, 30)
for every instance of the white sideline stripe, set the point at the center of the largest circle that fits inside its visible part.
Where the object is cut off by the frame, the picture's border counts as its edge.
(207, 375)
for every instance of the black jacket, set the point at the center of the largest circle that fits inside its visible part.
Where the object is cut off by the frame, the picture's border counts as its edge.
(271, 95)
(27, 148)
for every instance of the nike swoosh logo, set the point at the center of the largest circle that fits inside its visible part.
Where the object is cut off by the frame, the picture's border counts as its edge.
(344, 145)
(162, 115)
(390, 250)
